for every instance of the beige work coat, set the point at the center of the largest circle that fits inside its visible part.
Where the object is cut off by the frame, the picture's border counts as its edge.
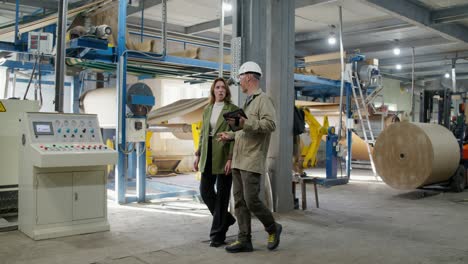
(251, 143)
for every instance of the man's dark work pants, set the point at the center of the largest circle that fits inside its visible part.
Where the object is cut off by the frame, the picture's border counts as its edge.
(246, 188)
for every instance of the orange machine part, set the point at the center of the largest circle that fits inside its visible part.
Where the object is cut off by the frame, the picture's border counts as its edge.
(465, 152)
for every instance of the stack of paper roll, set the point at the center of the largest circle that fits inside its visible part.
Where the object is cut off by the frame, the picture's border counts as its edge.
(411, 155)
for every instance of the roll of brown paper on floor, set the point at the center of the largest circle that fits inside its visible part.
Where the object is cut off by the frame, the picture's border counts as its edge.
(410, 155)
(358, 148)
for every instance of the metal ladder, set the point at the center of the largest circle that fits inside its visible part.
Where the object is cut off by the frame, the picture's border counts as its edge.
(361, 106)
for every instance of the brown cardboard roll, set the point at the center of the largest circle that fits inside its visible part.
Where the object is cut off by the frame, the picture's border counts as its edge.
(411, 155)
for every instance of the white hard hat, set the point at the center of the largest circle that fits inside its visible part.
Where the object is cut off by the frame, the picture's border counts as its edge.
(250, 66)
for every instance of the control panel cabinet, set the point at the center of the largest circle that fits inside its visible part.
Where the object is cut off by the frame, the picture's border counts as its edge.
(62, 183)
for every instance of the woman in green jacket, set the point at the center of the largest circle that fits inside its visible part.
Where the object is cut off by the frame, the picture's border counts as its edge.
(213, 159)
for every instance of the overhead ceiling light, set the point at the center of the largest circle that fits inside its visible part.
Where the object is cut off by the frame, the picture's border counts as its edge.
(332, 37)
(396, 49)
(2, 60)
(398, 66)
(227, 7)
(447, 75)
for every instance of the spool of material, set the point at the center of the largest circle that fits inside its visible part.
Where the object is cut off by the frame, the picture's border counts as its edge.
(411, 155)
(102, 102)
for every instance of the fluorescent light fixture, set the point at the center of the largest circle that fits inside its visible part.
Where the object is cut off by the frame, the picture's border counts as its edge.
(447, 75)
(398, 66)
(332, 39)
(2, 60)
(227, 7)
(396, 51)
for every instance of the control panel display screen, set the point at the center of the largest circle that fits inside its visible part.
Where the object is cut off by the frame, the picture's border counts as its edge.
(43, 128)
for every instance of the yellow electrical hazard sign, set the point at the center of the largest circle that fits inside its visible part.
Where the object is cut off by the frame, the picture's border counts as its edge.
(2, 107)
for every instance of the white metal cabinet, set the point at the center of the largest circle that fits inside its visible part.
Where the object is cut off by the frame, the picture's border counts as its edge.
(88, 189)
(73, 196)
(54, 198)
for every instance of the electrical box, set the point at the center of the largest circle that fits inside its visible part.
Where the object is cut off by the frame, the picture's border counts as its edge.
(40, 42)
(136, 129)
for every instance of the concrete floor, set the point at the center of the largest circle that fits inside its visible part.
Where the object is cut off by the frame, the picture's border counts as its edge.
(362, 222)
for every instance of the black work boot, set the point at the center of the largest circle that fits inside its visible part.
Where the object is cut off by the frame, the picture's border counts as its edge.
(238, 246)
(274, 237)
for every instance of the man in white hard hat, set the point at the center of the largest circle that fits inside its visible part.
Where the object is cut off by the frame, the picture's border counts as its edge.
(249, 158)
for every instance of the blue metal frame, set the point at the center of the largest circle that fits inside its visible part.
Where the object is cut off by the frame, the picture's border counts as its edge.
(11, 46)
(141, 172)
(349, 132)
(86, 42)
(120, 185)
(314, 86)
(142, 100)
(16, 22)
(178, 60)
(11, 64)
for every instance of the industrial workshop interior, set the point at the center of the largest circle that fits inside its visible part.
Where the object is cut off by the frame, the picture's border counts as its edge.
(233, 131)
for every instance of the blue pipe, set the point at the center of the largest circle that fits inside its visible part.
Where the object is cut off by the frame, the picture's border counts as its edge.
(17, 22)
(120, 186)
(348, 130)
(141, 172)
(142, 19)
(132, 165)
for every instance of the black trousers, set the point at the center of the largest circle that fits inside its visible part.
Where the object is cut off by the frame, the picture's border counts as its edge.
(216, 200)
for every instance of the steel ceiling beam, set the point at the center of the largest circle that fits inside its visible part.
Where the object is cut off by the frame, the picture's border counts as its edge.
(136, 21)
(406, 43)
(147, 4)
(207, 25)
(304, 3)
(375, 47)
(211, 24)
(462, 67)
(425, 58)
(358, 29)
(173, 30)
(450, 15)
(420, 16)
(35, 3)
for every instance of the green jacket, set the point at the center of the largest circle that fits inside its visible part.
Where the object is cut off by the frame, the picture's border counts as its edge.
(221, 151)
(252, 142)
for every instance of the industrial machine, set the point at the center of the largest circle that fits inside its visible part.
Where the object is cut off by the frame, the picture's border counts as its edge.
(10, 139)
(62, 182)
(455, 123)
(140, 100)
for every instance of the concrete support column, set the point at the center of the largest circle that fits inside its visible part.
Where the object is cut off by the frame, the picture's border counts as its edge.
(252, 20)
(267, 30)
(279, 77)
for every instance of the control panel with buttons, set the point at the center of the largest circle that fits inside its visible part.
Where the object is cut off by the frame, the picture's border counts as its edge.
(65, 128)
(66, 140)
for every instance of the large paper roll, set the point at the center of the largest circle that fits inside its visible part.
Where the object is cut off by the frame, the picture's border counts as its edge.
(411, 155)
(102, 102)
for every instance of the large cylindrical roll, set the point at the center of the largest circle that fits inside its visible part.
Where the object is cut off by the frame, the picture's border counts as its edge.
(102, 102)
(410, 155)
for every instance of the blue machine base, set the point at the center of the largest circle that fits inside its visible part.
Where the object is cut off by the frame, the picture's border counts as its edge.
(332, 182)
(164, 191)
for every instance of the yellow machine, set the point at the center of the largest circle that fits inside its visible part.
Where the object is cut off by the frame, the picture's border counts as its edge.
(196, 130)
(151, 168)
(316, 132)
